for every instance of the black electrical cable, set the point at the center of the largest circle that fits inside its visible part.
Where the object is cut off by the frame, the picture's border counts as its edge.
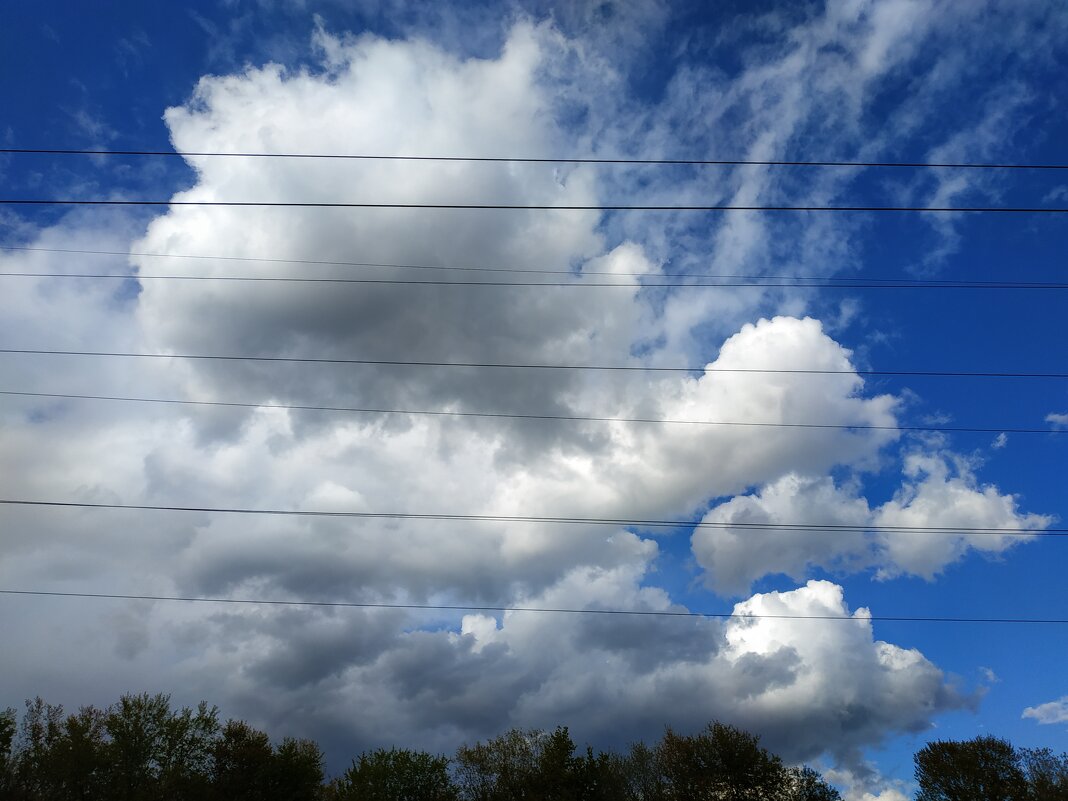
(591, 521)
(527, 207)
(536, 160)
(576, 284)
(845, 281)
(497, 415)
(549, 610)
(534, 366)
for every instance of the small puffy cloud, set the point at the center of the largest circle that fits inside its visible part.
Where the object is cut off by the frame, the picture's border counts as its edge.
(734, 557)
(1058, 420)
(939, 489)
(1000, 441)
(889, 794)
(942, 491)
(863, 782)
(1051, 712)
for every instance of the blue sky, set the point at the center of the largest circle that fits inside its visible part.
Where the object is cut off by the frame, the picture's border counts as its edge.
(890, 81)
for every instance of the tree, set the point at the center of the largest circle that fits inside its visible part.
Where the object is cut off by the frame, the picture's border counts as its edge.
(721, 763)
(156, 754)
(36, 751)
(519, 765)
(242, 763)
(8, 726)
(395, 775)
(983, 769)
(297, 773)
(79, 764)
(599, 777)
(1047, 774)
(641, 775)
(805, 784)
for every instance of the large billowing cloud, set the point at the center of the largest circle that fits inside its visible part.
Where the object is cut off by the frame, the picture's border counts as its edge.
(371, 677)
(360, 463)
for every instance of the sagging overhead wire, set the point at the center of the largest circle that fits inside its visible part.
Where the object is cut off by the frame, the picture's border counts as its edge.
(528, 207)
(828, 282)
(576, 284)
(661, 613)
(511, 416)
(709, 369)
(536, 159)
(1002, 531)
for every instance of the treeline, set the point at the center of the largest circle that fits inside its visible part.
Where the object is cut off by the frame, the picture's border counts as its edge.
(140, 749)
(989, 769)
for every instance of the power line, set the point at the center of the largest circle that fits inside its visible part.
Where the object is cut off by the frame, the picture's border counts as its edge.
(576, 284)
(593, 521)
(538, 160)
(844, 280)
(526, 207)
(535, 609)
(495, 415)
(534, 366)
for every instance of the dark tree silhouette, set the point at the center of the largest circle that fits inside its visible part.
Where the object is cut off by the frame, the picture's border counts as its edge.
(394, 775)
(139, 748)
(983, 769)
(805, 784)
(242, 762)
(1047, 774)
(298, 771)
(721, 763)
(8, 726)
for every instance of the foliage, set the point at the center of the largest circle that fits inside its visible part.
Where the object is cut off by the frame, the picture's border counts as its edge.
(805, 784)
(242, 763)
(141, 748)
(8, 727)
(530, 765)
(395, 775)
(983, 769)
(721, 763)
(1047, 774)
(156, 753)
(298, 770)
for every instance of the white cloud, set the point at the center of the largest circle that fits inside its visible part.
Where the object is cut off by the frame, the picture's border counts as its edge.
(943, 492)
(733, 558)
(939, 490)
(1050, 712)
(889, 794)
(1058, 420)
(863, 782)
(807, 686)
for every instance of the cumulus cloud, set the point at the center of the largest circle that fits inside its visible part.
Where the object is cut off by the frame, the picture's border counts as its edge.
(942, 491)
(888, 794)
(939, 491)
(359, 464)
(807, 686)
(864, 783)
(733, 558)
(1058, 420)
(1050, 712)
